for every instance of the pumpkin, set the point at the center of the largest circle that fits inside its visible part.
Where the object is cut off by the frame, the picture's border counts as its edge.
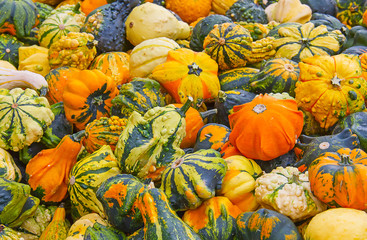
(194, 121)
(99, 166)
(101, 232)
(202, 29)
(329, 90)
(148, 54)
(9, 49)
(118, 195)
(350, 12)
(107, 25)
(56, 80)
(215, 218)
(184, 9)
(236, 78)
(149, 20)
(18, 17)
(57, 228)
(342, 223)
(48, 171)
(18, 129)
(299, 41)
(160, 221)
(276, 76)
(87, 96)
(338, 178)
(113, 64)
(288, 11)
(212, 135)
(8, 169)
(59, 24)
(151, 142)
(103, 131)
(79, 227)
(74, 50)
(188, 73)
(246, 11)
(311, 148)
(287, 191)
(266, 127)
(193, 178)
(238, 184)
(229, 45)
(140, 95)
(87, 6)
(266, 224)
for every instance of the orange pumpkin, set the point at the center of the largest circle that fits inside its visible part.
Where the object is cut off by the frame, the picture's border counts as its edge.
(87, 6)
(87, 96)
(266, 127)
(339, 178)
(190, 10)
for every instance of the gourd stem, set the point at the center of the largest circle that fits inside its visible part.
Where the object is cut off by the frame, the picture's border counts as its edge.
(345, 160)
(77, 8)
(208, 113)
(77, 137)
(182, 111)
(222, 96)
(295, 179)
(62, 205)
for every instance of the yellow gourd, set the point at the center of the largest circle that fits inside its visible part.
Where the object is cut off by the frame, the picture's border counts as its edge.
(288, 11)
(34, 59)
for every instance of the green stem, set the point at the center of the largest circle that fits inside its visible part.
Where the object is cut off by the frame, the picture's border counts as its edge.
(208, 113)
(345, 160)
(182, 111)
(49, 139)
(77, 137)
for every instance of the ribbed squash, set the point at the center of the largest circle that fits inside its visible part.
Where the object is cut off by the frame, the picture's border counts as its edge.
(103, 131)
(148, 54)
(188, 73)
(238, 184)
(86, 176)
(276, 76)
(185, 9)
(213, 219)
(329, 90)
(297, 41)
(229, 45)
(56, 80)
(160, 221)
(113, 64)
(266, 224)
(118, 195)
(237, 78)
(8, 169)
(44, 10)
(193, 178)
(23, 117)
(57, 229)
(18, 17)
(338, 178)
(9, 49)
(87, 96)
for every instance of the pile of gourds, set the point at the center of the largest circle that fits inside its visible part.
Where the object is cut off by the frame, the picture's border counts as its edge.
(211, 119)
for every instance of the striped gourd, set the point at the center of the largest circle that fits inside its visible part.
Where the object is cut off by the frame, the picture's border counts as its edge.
(59, 24)
(23, 117)
(229, 45)
(85, 178)
(237, 78)
(149, 54)
(113, 64)
(8, 168)
(9, 49)
(193, 178)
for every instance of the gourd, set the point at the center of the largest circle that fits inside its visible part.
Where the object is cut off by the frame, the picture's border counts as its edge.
(188, 73)
(148, 54)
(288, 11)
(113, 64)
(193, 178)
(266, 127)
(246, 11)
(18, 17)
(57, 228)
(8, 233)
(48, 171)
(9, 49)
(88, 6)
(107, 25)
(87, 96)
(101, 232)
(99, 166)
(8, 169)
(221, 6)
(350, 12)
(184, 9)
(215, 218)
(44, 10)
(337, 178)
(149, 20)
(79, 227)
(73, 50)
(332, 23)
(266, 224)
(328, 90)
(17, 129)
(34, 59)
(236, 78)
(151, 142)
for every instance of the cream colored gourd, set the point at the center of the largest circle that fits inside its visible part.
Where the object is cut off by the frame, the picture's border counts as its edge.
(149, 54)
(34, 59)
(288, 11)
(150, 20)
(77, 230)
(7, 65)
(338, 223)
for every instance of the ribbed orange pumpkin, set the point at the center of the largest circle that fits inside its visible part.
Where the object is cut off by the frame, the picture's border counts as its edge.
(87, 6)
(266, 127)
(190, 10)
